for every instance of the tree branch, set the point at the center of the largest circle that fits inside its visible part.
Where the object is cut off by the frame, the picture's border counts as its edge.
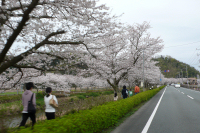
(3, 2)
(39, 17)
(110, 83)
(20, 57)
(24, 66)
(19, 78)
(19, 7)
(52, 55)
(9, 78)
(37, 68)
(19, 28)
(63, 42)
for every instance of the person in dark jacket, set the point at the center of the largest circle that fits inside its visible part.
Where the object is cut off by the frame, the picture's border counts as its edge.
(124, 92)
(26, 96)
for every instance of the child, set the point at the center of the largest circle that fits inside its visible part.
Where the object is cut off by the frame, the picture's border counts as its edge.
(115, 96)
(130, 93)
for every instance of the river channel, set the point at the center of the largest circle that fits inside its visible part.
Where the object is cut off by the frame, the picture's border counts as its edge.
(14, 121)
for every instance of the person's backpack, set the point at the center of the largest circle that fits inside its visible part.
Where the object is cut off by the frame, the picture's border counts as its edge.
(126, 92)
(31, 107)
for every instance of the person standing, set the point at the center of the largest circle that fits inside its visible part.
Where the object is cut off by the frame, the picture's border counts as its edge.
(124, 92)
(26, 97)
(137, 89)
(49, 110)
(115, 96)
(130, 93)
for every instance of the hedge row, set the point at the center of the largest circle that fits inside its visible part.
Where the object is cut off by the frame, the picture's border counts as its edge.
(94, 120)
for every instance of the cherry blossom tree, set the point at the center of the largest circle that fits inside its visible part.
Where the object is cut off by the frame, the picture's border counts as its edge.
(175, 80)
(123, 52)
(34, 33)
(63, 82)
(151, 73)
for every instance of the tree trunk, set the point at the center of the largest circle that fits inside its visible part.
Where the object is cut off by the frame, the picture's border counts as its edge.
(113, 85)
(116, 89)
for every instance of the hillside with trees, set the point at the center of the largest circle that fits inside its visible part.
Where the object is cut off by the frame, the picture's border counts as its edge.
(176, 67)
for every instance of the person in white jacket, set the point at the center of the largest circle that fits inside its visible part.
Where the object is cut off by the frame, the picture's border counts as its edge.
(49, 110)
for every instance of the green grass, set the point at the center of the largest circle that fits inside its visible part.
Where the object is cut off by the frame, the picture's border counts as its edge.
(12, 104)
(16, 106)
(91, 94)
(11, 93)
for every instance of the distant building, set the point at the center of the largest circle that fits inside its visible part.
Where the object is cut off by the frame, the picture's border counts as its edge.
(192, 81)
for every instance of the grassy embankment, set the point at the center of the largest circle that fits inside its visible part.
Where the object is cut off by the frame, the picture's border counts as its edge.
(95, 119)
(13, 105)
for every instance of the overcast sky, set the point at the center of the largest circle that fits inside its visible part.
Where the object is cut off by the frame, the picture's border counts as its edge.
(177, 22)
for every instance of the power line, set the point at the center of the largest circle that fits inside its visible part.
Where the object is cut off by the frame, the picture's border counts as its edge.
(192, 56)
(182, 44)
(195, 64)
(194, 59)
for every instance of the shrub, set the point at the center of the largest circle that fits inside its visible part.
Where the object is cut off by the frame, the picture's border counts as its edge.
(81, 96)
(6, 99)
(94, 120)
(107, 92)
(40, 95)
(94, 94)
(12, 98)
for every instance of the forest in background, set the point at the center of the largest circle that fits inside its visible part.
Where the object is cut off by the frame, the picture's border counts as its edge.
(175, 67)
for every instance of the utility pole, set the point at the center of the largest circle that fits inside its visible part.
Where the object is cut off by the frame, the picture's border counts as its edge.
(187, 76)
(197, 81)
(160, 77)
(143, 70)
(197, 74)
(182, 75)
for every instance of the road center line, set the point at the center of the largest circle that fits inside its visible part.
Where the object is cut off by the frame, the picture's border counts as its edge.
(190, 97)
(152, 115)
(182, 92)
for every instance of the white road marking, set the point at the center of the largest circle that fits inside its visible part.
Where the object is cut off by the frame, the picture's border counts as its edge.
(152, 115)
(190, 97)
(182, 92)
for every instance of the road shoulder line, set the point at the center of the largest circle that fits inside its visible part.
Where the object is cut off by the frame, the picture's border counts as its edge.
(152, 115)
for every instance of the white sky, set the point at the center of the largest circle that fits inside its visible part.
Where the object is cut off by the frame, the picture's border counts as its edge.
(177, 22)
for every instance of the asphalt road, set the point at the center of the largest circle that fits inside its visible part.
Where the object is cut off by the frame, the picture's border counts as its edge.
(172, 110)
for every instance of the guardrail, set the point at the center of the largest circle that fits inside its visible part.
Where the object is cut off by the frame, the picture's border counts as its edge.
(193, 87)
